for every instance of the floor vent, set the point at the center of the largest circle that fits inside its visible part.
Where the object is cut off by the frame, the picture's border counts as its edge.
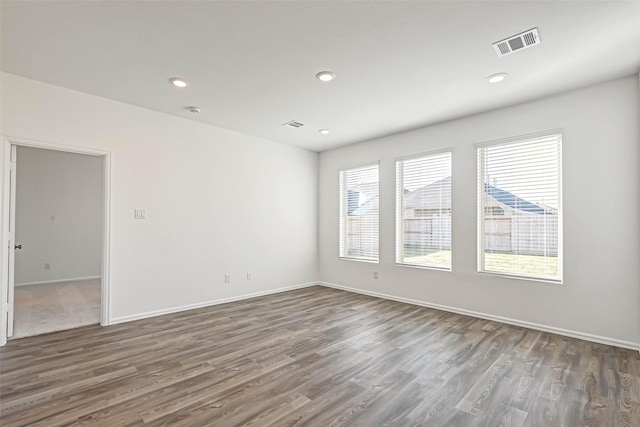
(293, 124)
(519, 42)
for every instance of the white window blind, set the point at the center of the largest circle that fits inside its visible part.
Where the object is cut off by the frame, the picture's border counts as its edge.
(423, 211)
(359, 202)
(520, 207)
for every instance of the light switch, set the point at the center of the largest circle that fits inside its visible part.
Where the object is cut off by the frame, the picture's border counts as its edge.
(140, 214)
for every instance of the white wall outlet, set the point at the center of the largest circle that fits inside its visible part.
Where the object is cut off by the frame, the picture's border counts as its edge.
(227, 278)
(47, 266)
(375, 274)
(249, 275)
(140, 214)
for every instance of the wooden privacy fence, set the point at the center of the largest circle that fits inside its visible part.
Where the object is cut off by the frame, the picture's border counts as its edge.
(432, 232)
(527, 234)
(362, 232)
(523, 234)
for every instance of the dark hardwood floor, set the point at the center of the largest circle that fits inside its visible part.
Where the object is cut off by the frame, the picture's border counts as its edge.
(316, 357)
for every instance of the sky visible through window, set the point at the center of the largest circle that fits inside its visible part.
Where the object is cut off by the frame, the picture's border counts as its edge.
(527, 169)
(421, 172)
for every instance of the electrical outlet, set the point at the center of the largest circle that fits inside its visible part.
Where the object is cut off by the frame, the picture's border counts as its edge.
(47, 266)
(249, 275)
(227, 278)
(375, 274)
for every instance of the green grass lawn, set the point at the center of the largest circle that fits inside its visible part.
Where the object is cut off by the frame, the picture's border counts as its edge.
(440, 259)
(534, 265)
(502, 263)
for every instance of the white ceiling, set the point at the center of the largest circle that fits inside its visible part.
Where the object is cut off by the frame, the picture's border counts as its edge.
(399, 64)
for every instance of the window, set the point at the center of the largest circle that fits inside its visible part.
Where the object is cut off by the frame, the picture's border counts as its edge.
(520, 208)
(423, 211)
(359, 213)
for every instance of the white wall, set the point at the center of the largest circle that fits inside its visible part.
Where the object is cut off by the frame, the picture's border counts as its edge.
(217, 201)
(59, 210)
(600, 295)
(221, 202)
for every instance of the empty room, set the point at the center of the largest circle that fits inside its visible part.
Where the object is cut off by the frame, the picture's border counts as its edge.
(320, 213)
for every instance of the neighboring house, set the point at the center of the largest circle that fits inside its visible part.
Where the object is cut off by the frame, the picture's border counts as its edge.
(429, 201)
(512, 224)
(434, 200)
(511, 203)
(371, 206)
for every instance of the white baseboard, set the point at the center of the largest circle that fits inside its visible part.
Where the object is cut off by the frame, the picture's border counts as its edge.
(544, 328)
(170, 310)
(75, 279)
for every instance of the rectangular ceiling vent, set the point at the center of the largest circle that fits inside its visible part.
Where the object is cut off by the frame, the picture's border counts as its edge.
(293, 124)
(519, 42)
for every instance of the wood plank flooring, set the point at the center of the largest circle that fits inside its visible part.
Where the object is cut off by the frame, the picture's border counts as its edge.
(316, 357)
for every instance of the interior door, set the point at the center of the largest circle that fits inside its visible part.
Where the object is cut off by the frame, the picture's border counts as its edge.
(12, 240)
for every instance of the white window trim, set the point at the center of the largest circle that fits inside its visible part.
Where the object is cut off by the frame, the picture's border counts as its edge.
(480, 193)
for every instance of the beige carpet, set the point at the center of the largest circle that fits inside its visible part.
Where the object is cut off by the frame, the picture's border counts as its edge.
(50, 307)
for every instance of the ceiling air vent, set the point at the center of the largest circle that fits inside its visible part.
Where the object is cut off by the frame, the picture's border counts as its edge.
(519, 42)
(293, 124)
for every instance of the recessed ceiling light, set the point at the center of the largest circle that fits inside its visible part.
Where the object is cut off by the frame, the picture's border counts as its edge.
(324, 131)
(178, 82)
(325, 76)
(496, 78)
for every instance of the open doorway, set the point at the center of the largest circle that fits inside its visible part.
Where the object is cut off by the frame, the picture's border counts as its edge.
(56, 226)
(58, 250)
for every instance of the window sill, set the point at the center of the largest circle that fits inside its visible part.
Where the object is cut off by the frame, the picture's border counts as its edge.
(423, 267)
(519, 277)
(359, 260)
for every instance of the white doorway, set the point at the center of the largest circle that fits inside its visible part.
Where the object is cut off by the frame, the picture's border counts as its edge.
(56, 229)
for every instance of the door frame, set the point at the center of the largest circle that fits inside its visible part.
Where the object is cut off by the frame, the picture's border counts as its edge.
(105, 294)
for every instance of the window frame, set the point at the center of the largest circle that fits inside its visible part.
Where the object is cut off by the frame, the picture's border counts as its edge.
(344, 208)
(399, 225)
(559, 134)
